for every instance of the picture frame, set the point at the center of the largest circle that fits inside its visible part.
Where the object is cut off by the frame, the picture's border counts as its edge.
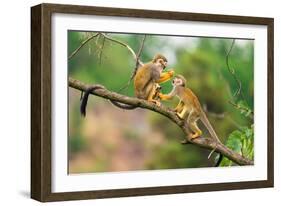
(42, 89)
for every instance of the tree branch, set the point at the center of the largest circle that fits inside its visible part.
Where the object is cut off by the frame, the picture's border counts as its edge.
(207, 143)
(106, 37)
(139, 52)
(124, 45)
(82, 44)
(232, 72)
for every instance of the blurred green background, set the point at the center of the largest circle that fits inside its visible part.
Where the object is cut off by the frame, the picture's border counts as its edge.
(112, 139)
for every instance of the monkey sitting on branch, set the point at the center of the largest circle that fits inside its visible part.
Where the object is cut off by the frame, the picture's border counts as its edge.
(189, 108)
(149, 76)
(146, 83)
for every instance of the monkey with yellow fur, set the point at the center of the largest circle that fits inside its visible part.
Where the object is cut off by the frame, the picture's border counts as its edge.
(149, 75)
(189, 107)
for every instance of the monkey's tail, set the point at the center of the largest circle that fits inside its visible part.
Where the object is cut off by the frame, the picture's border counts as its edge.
(123, 106)
(207, 124)
(211, 131)
(84, 100)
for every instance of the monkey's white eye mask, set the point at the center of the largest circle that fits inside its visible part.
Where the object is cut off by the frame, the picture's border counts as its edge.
(176, 81)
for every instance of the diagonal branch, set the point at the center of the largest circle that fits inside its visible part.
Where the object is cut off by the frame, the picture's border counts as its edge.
(137, 65)
(82, 44)
(140, 51)
(206, 143)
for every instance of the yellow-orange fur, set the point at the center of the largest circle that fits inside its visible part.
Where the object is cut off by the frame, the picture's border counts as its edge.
(189, 107)
(148, 76)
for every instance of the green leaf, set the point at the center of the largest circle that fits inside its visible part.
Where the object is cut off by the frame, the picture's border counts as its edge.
(242, 142)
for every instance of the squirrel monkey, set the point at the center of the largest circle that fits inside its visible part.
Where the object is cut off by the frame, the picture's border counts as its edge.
(147, 79)
(149, 75)
(145, 83)
(189, 104)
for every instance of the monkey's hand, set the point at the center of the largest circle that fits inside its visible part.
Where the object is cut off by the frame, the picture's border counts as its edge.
(165, 76)
(171, 72)
(164, 96)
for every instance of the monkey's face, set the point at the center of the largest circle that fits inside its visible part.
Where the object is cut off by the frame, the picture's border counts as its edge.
(161, 63)
(178, 82)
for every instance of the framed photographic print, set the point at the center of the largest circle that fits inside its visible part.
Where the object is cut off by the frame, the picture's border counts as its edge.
(130, 102)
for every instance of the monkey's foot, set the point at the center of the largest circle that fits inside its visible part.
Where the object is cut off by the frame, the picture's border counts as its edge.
(193, 136)
(179, 115)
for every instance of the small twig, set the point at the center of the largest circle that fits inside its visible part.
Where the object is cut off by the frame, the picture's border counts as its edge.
(82, 44)
(226, 83)
(242, 108)
(106, 37)
(232, 72)
(101, 50)
(139, 53)
(137, 66)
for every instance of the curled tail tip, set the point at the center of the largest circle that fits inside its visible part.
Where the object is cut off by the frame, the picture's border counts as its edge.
(83, 113)
(83, 107)
(84, 101)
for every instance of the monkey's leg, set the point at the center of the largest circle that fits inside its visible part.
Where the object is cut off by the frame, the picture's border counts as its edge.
(179, 107)
(165, 76)
(157, 92)
(151, 94)
(192, 123)
(182, 113)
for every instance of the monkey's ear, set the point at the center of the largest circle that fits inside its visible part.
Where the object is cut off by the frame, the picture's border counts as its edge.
(184, 82)
(159, 56)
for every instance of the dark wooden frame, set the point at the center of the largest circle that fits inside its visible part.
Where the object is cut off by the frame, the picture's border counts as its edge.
(41, 101)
